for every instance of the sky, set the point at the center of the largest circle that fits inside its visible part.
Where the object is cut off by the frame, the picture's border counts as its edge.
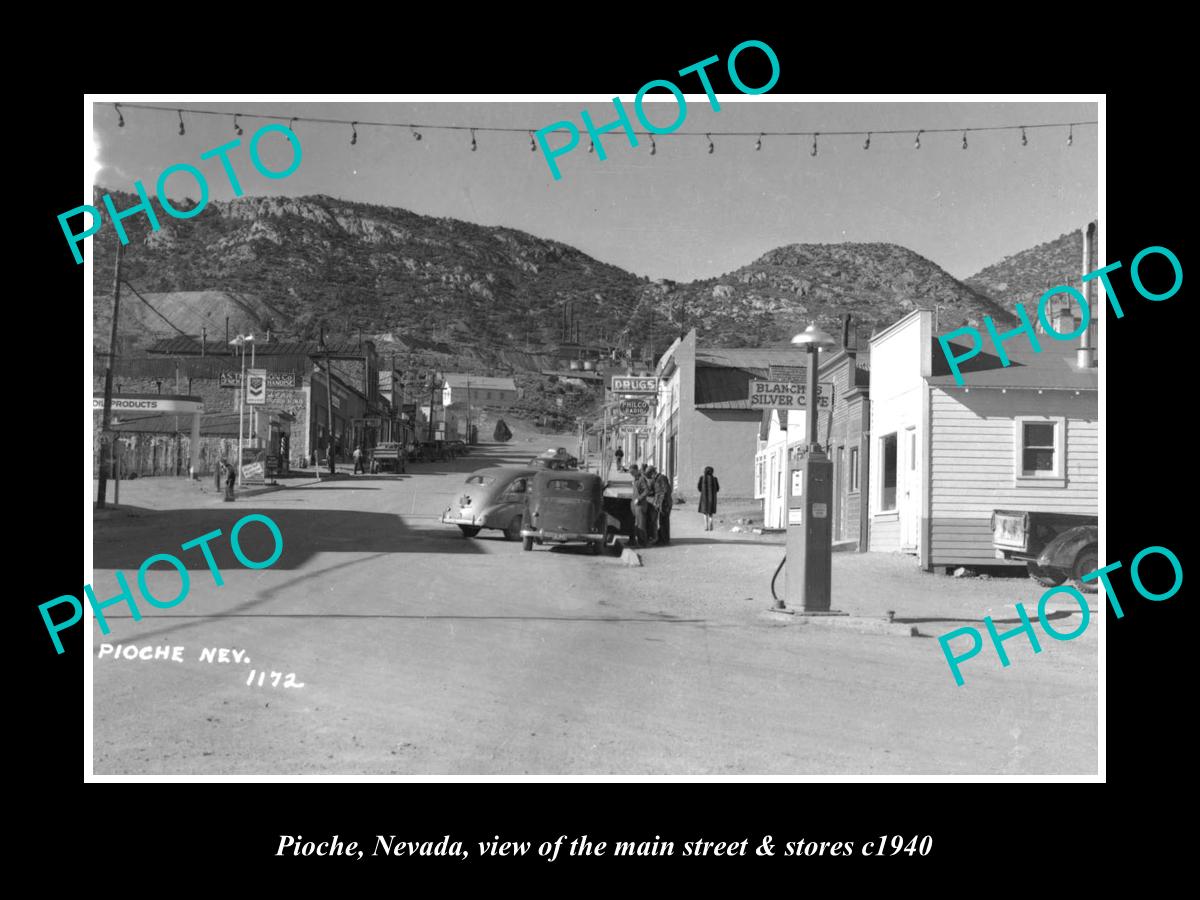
(681, 213)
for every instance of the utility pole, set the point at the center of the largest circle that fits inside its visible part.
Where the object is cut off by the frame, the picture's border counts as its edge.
(329, 398)
(106, 421)
(432, 386)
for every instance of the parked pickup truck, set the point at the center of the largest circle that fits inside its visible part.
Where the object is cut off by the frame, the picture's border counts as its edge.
(388, 457)
(1055, 547)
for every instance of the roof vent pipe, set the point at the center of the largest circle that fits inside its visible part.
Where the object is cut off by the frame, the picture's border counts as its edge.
(1085, 355)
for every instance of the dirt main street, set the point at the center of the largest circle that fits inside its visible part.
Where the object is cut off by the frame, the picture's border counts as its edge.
(422, 652)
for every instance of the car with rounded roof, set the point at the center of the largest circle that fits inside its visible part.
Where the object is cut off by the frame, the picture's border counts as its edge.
(492, 497)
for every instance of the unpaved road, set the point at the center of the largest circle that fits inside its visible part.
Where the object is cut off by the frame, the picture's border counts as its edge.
(422, 652)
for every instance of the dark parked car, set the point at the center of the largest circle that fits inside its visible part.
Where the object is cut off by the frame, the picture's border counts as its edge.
(555, 459)
(491, 498)
(1055, 547)
(565, 507)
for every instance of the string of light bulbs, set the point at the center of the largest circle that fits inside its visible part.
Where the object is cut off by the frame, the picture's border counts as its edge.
(416, 128)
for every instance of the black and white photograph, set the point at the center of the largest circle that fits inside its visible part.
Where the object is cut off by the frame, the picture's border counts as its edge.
(678, 436)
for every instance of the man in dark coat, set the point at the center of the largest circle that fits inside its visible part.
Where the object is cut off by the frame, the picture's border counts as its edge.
(641, 503)
(650, 474)
(663, 501)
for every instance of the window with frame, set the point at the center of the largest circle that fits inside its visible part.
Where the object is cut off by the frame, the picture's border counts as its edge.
(852, 471)
(887, 482)
(1039, 449)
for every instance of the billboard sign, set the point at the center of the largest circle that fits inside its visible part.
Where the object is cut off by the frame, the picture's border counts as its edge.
(787, 395)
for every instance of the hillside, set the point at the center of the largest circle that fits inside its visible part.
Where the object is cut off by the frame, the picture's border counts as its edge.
(771, 299)
(1025, 276)
(449, 290)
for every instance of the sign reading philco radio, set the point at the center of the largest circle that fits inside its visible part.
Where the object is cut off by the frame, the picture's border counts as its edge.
(634, 384)
(787, 395)
(274, 379)
(635, 408)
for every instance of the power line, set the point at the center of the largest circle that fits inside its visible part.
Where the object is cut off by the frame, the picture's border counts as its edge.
(153, 310)
(415, 127)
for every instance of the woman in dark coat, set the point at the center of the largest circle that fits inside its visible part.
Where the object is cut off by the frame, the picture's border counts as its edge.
(708, 486)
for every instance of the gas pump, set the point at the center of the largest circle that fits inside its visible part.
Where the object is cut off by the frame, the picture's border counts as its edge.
(810, 500)
(809, 536)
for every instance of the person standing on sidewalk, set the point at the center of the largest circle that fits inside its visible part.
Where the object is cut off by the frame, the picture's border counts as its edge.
(663, 501)
(649, 475)
(358, 461)
(708, 486)
(640, 537)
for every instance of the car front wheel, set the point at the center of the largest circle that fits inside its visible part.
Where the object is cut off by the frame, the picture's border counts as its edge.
(1086, 562)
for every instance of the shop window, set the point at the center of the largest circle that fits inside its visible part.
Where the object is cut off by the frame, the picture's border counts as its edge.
(853, 472)
(887, 454)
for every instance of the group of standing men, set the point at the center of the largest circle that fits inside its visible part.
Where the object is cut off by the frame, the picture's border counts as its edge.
(651, 506)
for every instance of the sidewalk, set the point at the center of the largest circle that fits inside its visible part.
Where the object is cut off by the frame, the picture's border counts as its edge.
(723, 574)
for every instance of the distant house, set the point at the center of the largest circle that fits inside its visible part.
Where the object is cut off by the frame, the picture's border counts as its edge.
(478, 390)
(944, 456)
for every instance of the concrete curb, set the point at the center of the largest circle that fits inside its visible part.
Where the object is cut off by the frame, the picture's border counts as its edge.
(860, 624)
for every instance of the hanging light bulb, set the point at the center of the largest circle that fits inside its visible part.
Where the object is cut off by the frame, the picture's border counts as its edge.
(416, 134)
(917, 142)
(653, 146)
(758, 143)
(814, 146)
(964, 140)
(591, 146)
(532, 145)
(120, 118)
(474, 146)
(353, 133)
(1070, 135)
(181, 128)
(867, 142)
(711, 148)
(1024, 140)
(236, 127)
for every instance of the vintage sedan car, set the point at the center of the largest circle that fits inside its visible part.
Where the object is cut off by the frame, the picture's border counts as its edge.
(491, 498)
(555, 458)
(565, 506)
(1055, 547)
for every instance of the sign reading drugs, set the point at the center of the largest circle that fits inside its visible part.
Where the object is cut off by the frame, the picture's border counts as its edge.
(633, 384)
(787, 395)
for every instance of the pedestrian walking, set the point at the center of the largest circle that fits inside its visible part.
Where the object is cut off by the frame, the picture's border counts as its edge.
(663, 501)
(230, 481)
(708, 486)
(359, 463)
(620, 455)
(650, 474)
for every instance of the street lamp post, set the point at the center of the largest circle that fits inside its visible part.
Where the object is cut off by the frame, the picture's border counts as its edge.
(810, 500)
(240, 342)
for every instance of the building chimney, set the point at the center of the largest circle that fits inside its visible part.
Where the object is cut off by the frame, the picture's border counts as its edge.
(1085, 356)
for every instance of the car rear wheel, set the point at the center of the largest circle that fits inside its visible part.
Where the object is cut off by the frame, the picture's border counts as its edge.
(1044, 577)
(527, 544)
(594, 547)
(513, 531)
(469, 530)
(1086, 562)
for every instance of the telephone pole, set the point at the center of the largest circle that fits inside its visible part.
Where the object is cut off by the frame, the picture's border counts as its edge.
(108, 379)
